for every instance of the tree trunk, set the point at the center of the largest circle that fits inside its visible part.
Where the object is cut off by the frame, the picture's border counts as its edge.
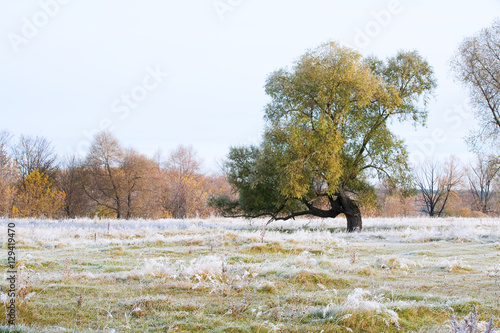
(354, 222)
(351, 212)
(340, 203)
(129, 206)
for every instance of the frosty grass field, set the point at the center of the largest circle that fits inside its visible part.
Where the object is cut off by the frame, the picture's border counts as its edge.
(406, 275)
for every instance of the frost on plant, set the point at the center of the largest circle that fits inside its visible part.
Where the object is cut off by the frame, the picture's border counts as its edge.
(362, 300)
(470, 324)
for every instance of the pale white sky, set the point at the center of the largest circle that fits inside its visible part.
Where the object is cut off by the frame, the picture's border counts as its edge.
(68, 68)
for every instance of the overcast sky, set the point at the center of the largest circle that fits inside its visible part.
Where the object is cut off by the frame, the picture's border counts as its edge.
(161, 73)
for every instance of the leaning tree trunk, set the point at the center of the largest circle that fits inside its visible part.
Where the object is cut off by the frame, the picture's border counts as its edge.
(354, 222)
(351, 212)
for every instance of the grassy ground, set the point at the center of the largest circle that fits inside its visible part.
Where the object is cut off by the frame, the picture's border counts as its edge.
(399, 275)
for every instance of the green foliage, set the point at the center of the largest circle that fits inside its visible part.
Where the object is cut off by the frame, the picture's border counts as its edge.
(253, 173)
(328, 132)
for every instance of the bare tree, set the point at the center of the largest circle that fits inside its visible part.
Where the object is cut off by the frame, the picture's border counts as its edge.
(481, 177)
(5, 138)
(182, 182)
(70, 180)
(8, 175)
(436, 183)
(120, 180)
(158, 158)
(103, 175)
(184, 161)
(139, 187)
(32, 153)
(477, 65)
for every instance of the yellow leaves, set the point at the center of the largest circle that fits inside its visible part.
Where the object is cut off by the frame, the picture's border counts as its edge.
(15, 212)
(306, 152)
(37, 198)
(190, 180)
(334, 78)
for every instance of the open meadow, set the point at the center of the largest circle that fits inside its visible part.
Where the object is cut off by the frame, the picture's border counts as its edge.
(225, 275)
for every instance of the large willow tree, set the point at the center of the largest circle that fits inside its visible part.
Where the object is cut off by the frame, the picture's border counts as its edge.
(327, 133)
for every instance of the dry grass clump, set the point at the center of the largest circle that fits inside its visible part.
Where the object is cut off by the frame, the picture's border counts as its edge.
(395, 263)
(455, 265)
(360, 301)
(471, 324)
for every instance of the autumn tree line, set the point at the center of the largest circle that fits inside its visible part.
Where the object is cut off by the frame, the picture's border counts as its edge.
(448, 188)
(110, 181)
(116, 182)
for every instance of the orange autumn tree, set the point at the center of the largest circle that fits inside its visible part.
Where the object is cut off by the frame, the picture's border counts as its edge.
(37, 197)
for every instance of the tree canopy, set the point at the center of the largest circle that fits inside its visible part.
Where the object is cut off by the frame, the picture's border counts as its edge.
(327, 133)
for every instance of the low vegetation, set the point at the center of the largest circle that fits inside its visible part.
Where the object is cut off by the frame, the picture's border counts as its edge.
(225, 275)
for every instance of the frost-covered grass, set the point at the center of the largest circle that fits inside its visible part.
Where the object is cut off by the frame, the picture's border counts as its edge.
(406, 275)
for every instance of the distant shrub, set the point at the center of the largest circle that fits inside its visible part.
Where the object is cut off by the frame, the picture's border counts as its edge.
(478, 214)
(464, 212)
